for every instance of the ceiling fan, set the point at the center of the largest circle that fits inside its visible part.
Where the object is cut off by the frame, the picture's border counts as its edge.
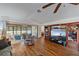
(57, 7)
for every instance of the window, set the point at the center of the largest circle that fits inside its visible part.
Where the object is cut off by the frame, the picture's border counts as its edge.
(29, 30)
(34, 31)
(14, 30)
(23, 29)
(10, 30)
(18, 31)
(1, 29)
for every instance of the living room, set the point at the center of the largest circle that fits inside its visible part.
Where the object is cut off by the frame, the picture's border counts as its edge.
(39, 29)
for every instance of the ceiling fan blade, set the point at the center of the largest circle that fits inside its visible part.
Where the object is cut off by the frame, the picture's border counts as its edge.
(75, 3)
(49, 4)
(56, 9)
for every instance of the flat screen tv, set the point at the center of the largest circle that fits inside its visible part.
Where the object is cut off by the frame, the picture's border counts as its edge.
(55, 33)
(58, 32)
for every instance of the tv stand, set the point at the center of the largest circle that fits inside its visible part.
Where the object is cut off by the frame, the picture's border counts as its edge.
(59, 40)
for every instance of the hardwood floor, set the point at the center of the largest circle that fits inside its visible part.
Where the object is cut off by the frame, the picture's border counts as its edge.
(42, 47)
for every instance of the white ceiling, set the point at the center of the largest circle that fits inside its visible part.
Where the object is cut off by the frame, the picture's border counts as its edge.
(27, 13)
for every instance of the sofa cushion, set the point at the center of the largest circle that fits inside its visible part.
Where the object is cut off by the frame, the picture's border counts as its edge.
(3, 44)
(5, 52)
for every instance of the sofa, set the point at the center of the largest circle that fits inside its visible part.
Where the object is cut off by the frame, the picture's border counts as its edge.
(5, 48)
(6, 51)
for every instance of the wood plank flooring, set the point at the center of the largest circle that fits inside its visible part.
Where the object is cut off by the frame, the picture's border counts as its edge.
(42, 47)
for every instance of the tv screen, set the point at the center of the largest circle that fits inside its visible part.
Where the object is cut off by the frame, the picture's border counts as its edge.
(58, 32)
